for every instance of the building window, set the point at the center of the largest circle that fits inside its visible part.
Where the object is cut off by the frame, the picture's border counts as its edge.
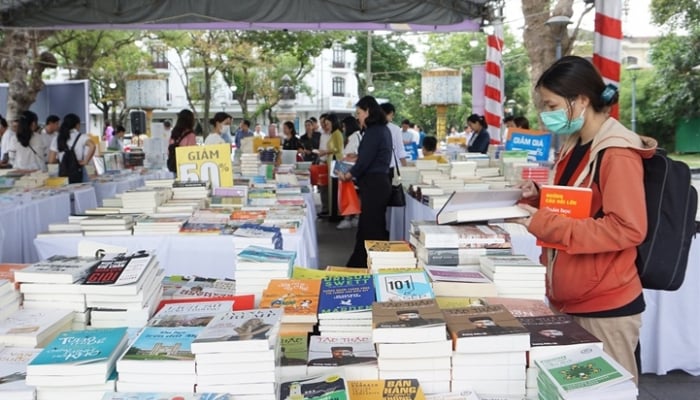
(630, 60)
(338, 57)
(338, 86)
(160, 60)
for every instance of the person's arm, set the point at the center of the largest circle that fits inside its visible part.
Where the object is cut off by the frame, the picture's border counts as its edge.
(53, 157)
(89, 152)
(370, 148)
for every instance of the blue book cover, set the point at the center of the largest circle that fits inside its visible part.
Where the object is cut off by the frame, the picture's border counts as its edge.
(74, 348)
(346, 293)
(158, 344)
(263, 254)
(402, 286)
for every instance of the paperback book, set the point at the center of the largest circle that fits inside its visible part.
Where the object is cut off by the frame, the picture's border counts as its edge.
(386, 389)
(336, 351)
(402, 286)
(342, 294)
(57, 269)
(190, 314)
(13, 372)
(120, 269)
(239, 331)
(160, 347)
(567, 201)
(491, 328)
(324, 387)
(407, 321)
(298, 298)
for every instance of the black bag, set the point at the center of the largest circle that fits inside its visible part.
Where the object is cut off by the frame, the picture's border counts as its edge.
(672, 203)
(70, 166)
(172, 162)
(398, 196)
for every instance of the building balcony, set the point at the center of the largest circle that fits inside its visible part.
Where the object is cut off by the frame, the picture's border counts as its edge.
(162, 64)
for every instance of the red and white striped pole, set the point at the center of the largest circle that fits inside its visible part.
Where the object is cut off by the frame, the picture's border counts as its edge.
(607, 47)
(493, 92)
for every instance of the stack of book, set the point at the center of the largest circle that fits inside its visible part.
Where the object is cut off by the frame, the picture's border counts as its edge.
(77, 364)
(329, 386)
(236, 353)
(123, 290)
(287, 218)
(463, 169)
(460, 282)
(34, 327)
(410, 337)
(250, 234)
(107, 225)
(55, 283)
(229, 197)
(10, 298)
(584, 373)
(539, 174)
(148, 225)
(250, 164)
(161, 357)
(178, 289)
(355, 354)
(178, 208)
(389, 255)
(70, 228)
(262, 196)
(457, 245)
(256, 266)
(299, 300)
(490, 348)
(515, 275)
(159, 183)
(345, 305)
(289, 195)
(210, 221)
(190, 190)
(13, 370)
(144, 200)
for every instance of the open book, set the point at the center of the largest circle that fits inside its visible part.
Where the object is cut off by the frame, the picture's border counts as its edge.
(481, 205)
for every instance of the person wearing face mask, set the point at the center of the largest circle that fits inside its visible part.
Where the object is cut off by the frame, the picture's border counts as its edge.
(219, 124)
(594, 278)
(225, 130)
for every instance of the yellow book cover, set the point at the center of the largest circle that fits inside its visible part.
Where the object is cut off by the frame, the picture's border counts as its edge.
(387, 246)
(265, 143)
(386, 389)
(296, 296)
(56, 181)
(348, 270)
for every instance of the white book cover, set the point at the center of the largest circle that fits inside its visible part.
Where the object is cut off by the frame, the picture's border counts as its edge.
(13, 371)
(31, 327)
(57, 269)
(190, 314)
(248, 330)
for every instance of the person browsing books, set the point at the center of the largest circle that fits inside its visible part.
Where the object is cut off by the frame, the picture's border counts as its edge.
(429, 147)
(479, 141)
(594, 277)
(219, 123)
(371, 172)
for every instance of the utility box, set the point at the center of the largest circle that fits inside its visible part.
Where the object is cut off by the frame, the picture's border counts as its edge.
(688, 136)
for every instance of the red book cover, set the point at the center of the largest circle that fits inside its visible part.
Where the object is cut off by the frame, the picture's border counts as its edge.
(567, 201)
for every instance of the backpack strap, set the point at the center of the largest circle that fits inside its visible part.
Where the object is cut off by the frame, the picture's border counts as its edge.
(596, 180)
(72, 148)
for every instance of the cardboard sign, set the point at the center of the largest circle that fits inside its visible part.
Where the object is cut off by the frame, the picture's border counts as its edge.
(265, 143)
(536, 143)
(211, 163)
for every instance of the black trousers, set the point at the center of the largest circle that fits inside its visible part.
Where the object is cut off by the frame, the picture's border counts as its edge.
(375, 191)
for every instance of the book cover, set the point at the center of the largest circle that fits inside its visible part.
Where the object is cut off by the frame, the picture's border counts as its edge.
(336, 351)
(259, 254)
(77, 350)
(325, 387)
(294, 348)
(581, 370)
(190, 314)
(567, 201)
(119, 269)
(490, 320)
(193, 228)
(312, 273)
(407, 314)
(203, 289)
(239, 326)
(386, 248)
(445, 302)
(13, 369)
(240, 301)
(386, 389)
(481, 205)
(30, 326)
(166, 396)
(401, 286)
(522, 307)
(57, 269)
(346, 293)
(7, 271)
(162, 344)
(556, 330)
(297, 297)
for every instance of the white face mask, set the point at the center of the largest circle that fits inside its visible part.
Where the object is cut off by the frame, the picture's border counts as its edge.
(225, 129)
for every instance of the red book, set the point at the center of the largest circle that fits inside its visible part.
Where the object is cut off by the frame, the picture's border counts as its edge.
(568, 201)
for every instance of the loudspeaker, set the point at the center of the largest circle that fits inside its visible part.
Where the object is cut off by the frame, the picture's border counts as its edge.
(138, 122)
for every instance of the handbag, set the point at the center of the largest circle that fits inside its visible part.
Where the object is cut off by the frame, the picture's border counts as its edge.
(398, 196)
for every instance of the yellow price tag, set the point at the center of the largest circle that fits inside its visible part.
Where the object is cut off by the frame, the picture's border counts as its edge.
(211, 163)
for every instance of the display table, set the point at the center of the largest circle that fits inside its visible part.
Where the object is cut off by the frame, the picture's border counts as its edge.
(105, 189)
(83, 198)
(670, 334)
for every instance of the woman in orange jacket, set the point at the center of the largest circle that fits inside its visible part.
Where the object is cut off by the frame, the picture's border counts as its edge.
(593, 277)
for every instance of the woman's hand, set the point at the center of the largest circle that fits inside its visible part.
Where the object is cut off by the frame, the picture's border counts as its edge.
(528, 188)
(525, 221)
(345, 177)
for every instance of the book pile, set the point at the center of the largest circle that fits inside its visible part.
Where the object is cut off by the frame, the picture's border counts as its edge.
(236, 353)
(289, 195)
(123, 290)
(144, 200)
(179, 289)
(490, 347)
(460, 282)
(389, 255)
(463, 169)
(299, 300)
(256, 266)
(229, 197)
(539, 174)
(107, 225)
(250, 164)
(250, 234)
(549, 336)
(178, 208)
(482, 205)
(411, 341)
(294, 352)
(161, 355)
(13, 370)
(515, 275)
(77, 365)
(70, 228)
(329, 386)
(256, 216)
(262, 196)
(9, 298)
(190, 190)
(147, 225)
(34, 327)
(55, 283)
(288, 218)
(354, 354)
(159, 183)
(206, 221)
(584, 373)
(345, 305)
(32, 180)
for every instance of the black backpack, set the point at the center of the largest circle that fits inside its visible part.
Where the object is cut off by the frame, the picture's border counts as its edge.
(672, 203)
(171, 162)
(70, 166)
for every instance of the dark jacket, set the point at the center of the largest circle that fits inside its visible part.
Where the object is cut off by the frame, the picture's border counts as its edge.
(374, 153)
(479, 142)
(292, 144)
(311, 143)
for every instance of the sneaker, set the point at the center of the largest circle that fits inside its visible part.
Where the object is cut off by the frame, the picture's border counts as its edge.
(355, 222)
(344, 224)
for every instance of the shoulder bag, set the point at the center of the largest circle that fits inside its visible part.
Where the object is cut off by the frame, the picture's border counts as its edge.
(398, 197)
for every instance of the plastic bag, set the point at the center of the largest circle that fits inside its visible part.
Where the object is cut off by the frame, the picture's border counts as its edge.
(348, 200)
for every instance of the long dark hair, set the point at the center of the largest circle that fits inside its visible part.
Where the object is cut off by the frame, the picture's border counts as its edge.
(335, 122)
(351, 125)
(573, 76)
(375, 113)
(183, 125)
(292, 128)
(70, 121)
(476, 118)
(24, 127)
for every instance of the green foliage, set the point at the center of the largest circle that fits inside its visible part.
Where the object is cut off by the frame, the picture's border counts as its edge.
(683, 13)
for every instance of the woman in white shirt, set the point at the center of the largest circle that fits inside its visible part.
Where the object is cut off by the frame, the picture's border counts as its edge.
(27, 147)
(219, 124)
(68, 136)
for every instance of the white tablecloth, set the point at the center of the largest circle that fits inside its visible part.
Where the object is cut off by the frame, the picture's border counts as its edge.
(109, 189)
(83, 198)
(670, 334)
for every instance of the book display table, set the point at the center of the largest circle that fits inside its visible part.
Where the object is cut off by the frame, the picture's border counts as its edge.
(107, 188)
(670, 324)
(83, 198)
